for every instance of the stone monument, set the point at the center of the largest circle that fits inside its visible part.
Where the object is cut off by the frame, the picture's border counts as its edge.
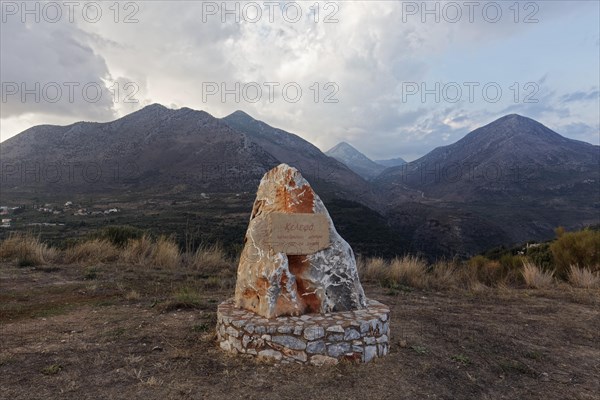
(298, 297)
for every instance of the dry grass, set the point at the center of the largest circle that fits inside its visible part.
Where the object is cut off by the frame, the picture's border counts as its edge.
(583, 277)
(446, 275)
(162, 253)
(373, 269)
(92, 252)
(535, 277)
(219, 270)
(166, 253)
(132, 295)
(474, 276)
(138, 251)
(27, 250)
(210, 259)
(409, 270)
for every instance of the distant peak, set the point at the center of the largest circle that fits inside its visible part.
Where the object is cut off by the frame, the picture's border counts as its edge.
(515, 118)
(514, 126)
(239, 114)
(155, 106)
(342, 145)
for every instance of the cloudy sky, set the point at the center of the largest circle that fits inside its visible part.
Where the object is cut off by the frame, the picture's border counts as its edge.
(391, 78)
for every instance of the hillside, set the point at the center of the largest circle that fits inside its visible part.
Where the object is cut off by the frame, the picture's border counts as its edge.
(160, 150)
(392, 162)
(355, 160)
(327, 175)
(511, 158)
(510, 181)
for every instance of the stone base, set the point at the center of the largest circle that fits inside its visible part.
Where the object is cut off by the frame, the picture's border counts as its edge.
(317, 339)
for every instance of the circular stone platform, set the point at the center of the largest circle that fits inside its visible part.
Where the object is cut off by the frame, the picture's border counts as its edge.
(317, 339)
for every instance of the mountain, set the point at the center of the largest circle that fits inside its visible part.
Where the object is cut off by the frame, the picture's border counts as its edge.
(355, 160)
(513, 157)
(392, 162)
(510, 181)
(514, 178)
(325, 174)
(153, 149)
(156, 150)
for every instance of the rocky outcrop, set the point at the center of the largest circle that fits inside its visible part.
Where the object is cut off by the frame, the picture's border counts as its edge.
(275, 283)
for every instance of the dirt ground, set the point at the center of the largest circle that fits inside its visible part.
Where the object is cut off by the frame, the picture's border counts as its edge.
(116, 332)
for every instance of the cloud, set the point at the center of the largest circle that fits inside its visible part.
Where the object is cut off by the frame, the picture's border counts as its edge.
(48, 69)
(581, 131)
(592, 94)
(175, 49)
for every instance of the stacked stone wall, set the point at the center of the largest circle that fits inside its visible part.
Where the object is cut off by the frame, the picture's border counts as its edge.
(317, 339)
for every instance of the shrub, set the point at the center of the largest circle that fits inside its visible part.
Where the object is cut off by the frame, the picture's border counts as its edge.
(92, 252)
(491, 273)
(511, 268)
(26, 250)
(494, 272)
(90, 273)
(511, 262)
(580, 248)
(478, 261)
(541, 255)
(583, 277)
(482, 271)
(535, 277)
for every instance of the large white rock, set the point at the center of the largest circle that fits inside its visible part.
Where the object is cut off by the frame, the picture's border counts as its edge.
(274, 283)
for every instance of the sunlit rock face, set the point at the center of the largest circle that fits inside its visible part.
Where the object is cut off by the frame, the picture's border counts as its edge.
(272, 283)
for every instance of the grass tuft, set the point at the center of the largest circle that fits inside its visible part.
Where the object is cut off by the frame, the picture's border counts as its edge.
(26, 250)
(408, 270)
(92, 252)
(583, 277)
(185, 298)
(210, 259)
(535, 277)
(52, 369)
(166, 253)
(138, 251)
(372, 269)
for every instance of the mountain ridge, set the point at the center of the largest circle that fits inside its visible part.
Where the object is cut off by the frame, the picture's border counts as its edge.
(164, 147)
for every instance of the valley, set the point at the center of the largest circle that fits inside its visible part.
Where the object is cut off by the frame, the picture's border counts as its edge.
(182, 171)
